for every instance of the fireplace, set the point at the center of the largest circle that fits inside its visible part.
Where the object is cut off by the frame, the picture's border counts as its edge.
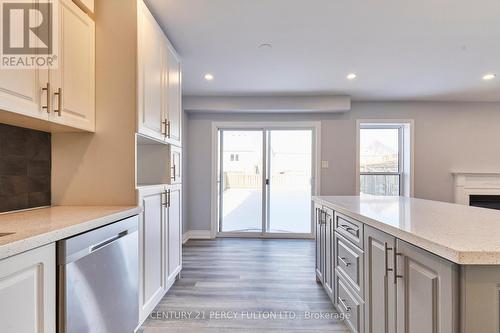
(478, 189)
(485, 201)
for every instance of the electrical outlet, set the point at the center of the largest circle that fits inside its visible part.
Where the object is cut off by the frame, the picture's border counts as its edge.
(324, 164)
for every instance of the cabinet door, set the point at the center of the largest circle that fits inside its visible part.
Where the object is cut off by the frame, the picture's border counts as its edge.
(380, 285)
(151, 45)
(427, 299)
(318, 217)
(28, 291)
(21, 92)
(173, 100)
(329, 252)
(176, 165)
(174, 202)
(73, 83)
(152, 249)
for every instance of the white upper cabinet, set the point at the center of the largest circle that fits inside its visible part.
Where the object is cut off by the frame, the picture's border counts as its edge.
(172, 104)
(64, 95)
(150, 75)
(21, 92)
(159, 82)
(73, 83)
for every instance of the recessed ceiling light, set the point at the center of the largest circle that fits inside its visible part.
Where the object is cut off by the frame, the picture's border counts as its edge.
(489, 77)
(351, 76)
(265, 46)
(209, 77)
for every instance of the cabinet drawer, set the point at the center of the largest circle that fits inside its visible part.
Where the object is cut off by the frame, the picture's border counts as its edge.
(348, 304)
(349, 263)
(349, 228)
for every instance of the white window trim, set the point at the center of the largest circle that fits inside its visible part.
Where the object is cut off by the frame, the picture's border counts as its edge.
(408, 151)
(316, 190)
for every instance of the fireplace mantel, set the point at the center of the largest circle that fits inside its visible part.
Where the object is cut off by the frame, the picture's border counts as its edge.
(475, 183)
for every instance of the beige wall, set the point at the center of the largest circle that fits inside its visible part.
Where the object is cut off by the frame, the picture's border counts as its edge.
(99, 168)
(448, 137)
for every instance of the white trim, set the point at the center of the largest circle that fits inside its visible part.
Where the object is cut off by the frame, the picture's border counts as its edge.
(475, 183)
(411, 124)
(196, 234)
(316, 190)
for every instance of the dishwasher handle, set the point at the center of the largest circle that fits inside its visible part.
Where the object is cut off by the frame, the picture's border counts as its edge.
(108, 241)
(84, 244)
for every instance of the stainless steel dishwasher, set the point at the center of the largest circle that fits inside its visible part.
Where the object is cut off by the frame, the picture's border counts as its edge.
(98, 280)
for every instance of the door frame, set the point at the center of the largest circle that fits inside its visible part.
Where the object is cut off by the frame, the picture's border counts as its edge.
(314, 126)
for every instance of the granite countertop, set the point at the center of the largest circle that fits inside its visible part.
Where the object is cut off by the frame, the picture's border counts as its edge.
(26, 230)
(462, 234)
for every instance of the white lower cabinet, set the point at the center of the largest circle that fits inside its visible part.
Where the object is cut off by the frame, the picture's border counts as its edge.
(174, 232)
(385, 285)
(28, 291)
(160, 244)
(152, 249)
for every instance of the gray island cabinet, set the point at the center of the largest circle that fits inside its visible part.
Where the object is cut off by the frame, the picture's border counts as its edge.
(405, 265)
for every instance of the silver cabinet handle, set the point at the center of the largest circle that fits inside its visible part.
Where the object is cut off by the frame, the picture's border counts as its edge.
(344, 261)
(347, 228)
(386, 263)
(342, 302)
(166, 123)
(47, 89)
(173, 169)
(59, 101)
(395, 270)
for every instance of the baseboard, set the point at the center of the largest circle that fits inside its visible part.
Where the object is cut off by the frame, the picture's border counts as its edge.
(196, 234)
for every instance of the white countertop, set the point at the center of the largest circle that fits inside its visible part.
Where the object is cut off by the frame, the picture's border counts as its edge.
(462, 234)
(33, 228)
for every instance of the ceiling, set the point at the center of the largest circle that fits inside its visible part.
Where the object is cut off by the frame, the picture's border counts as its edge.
(433, 50)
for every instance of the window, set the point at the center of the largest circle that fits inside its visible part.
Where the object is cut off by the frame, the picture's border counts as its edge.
(384, 159)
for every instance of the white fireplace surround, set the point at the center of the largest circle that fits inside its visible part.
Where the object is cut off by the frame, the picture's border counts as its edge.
(475, 183)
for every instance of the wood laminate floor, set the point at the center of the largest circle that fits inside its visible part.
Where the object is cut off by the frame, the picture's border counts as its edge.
(246, 285)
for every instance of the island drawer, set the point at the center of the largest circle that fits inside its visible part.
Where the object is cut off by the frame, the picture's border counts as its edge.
(349, 305)
(349, 263)
(350, 229)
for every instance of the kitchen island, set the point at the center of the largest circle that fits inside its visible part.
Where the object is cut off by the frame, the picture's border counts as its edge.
(397, 264)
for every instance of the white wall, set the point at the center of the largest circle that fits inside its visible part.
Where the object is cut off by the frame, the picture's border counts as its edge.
(448, 137)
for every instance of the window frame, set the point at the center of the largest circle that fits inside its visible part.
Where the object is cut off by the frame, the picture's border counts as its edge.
(405, 152)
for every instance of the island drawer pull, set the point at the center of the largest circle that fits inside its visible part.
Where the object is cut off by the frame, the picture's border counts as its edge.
(386, 260)
(344, 261)
(395, 269)
(342, 302)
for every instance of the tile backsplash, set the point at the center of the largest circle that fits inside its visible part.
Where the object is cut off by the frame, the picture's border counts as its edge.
(25, 157)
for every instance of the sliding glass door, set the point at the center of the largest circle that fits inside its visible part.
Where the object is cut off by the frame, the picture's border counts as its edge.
(289, 185)
(241, 178)
(265, 182)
